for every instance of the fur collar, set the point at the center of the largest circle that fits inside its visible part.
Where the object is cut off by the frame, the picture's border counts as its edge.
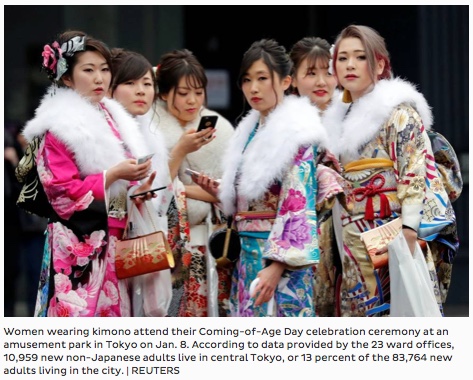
(207, 159)
(369, 113)
(292, 124)
(81, 126)
(156, 144)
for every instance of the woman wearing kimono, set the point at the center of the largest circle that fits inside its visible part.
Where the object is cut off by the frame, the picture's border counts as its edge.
(379, 129)
(269, 185)
(312, 77)
(134, 87)
(86, 164)
(182, 84)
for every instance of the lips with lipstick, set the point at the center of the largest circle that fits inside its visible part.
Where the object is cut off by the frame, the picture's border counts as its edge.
(140, 102)
(98, 90)
(320, 93)
(255, 99)
(351, 76)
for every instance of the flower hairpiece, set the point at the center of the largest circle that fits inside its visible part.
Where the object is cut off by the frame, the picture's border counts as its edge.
(54, 62)
(330, 63)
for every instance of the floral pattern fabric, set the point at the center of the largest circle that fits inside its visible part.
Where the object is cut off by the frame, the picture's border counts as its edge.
(374, 196)
(291, 237)
(329, 183)
(190, 272)
(78, 272)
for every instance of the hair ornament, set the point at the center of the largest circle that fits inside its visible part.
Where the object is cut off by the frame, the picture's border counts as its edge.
(54, 62)
(330, 63)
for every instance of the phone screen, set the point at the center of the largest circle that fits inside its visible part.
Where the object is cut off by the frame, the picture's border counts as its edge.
(152, 191)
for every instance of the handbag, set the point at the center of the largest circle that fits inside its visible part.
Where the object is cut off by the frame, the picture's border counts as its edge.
(377, 239)
(224, 245)
(140, 253)
(32, 197)
(412, 291)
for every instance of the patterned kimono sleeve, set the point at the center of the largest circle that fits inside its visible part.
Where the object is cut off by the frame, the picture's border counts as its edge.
(60, 177)
(293, 239)
(407, 141)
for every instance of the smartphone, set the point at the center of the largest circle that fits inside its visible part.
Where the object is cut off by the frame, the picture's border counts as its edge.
(192, 172)
(144, 158)
(207, 122)
(146, 192)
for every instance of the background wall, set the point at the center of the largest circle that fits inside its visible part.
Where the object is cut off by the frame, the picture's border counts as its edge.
(428, 46)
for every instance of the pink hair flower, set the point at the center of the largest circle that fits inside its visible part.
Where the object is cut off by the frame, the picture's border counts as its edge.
(56, 46)
(49, 58)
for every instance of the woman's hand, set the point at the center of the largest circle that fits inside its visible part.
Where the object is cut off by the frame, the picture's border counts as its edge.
(269, 279)
(189, 142)
(411, 238)
(192, 140)
(198, 193)
(207, 183)
(145, 187)
(128, 170)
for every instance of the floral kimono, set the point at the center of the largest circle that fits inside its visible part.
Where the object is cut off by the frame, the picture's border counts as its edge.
(187, 219)
(80, 141)
(389, 171)
(328, 269)
(269, 185)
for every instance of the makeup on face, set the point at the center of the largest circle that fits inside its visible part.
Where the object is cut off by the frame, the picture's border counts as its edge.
(91, 76)
(353, 71)
(315, 82)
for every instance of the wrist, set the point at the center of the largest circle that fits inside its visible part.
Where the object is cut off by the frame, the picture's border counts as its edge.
(177, 152)
(110, 177)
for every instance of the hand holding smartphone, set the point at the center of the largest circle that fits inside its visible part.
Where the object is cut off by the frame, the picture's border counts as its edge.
(144, 158)
(192, 172)
(207, 122)
(152, 191)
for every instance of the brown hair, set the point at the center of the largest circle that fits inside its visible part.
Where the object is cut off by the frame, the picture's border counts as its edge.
(314, 49)
(90, 44)
(178, 64)
(374, 45)
(129, 65)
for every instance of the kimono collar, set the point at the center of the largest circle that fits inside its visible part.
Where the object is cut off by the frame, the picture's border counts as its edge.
(348, 132)
(292, 124)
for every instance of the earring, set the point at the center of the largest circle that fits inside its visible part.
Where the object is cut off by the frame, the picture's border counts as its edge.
(346, 96)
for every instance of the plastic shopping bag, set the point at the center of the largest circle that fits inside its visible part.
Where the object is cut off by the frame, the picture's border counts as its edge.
(152, 294)
(271, 311)
(412, 292)
(212, 275)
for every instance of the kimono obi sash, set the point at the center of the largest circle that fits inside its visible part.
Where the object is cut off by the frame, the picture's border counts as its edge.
(255, 221)
(368, 163)
(370, 178)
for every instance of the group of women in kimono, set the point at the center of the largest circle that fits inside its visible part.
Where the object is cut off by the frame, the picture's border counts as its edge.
(304, 162)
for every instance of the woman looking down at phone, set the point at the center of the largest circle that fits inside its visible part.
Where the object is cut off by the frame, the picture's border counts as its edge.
(181, 102)
(86, 164)
(269, 185)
